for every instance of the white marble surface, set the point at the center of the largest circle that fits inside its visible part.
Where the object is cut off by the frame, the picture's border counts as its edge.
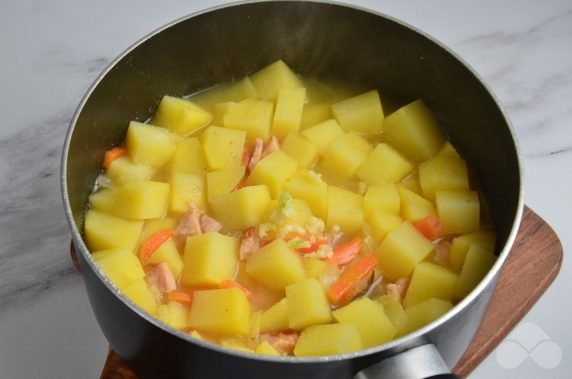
(50, 52)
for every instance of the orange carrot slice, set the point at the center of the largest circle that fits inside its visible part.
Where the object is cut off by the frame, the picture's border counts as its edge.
(151, 244)
(113, 154)
(346, 287)
(180, 297)
(430, 227)
(346, 252)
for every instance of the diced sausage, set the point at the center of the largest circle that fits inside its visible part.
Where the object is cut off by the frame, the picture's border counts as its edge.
(209, 224)
(189, 224)
(398, 289)
(442, 251)
(256, 154)
(249, 244)
(161, 277)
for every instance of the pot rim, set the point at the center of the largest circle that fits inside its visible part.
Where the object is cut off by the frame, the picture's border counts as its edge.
(402, 343)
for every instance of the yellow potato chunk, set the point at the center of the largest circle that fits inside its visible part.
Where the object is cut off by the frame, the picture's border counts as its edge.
(429, 280)
(300, 149)
(401, 250)
(344, 210)
(251, 116)
(222, 147)
(460, 246)
(308, 186)
(235, 91)
(223, 181)
(155, 225)
(424, 313)
(382, 197)
(384, 165)
(315, 113)
(169, 254)
(369, 318)
(103, 231)
(248, 205)
(344, 156)
(477, 264)
(414, 207)
(412, 184)
(180, 116)
(187, 190)
(139, 293)
(122, 170)
(328, 339)
(307, 304)
(291, 211)
(381, 224)
(120, 265)
(103, 200)
(223, 311)
(174, 314)
(141, 200)
(150, 145)
(394, 311)
(448, 151)
(414, 129)
(362, 113)
(314, 267)
(188, 158)
(323, 134)
(275, 77)
(458, 211)
(273, 170)
(276, 265)
(266, 348)
(275, 318)
(209, 259)
(220, 110)
(288, 113)
(443, 174)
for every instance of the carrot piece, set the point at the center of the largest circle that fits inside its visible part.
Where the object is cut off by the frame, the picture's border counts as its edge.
(430, 227)
(180, 297)
(345, 288)
(113, 154)
(234, 284)
(346, 252)
(246, 154)
(313, 246)
(151, 244)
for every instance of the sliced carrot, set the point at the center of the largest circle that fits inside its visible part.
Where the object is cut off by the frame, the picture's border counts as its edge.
(346, 252)
(346, 287)
(314, 246)
(234, 284)
(430, 227)
(151, 244)
(113, 154)
(180, 297)
(246, 154)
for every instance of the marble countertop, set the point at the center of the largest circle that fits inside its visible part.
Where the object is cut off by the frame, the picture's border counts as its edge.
(51, 51)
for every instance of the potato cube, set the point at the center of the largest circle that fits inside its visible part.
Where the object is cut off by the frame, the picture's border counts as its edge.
(248, 207)
(222, 147)
(460, 246)
(381, 224)
(314, 267)
(139, 293)
(401, 250)
(180, 116)
(323, 134)
(412, 184)
(187, 190)
(344, 156)
(103, 200)
(273, 170)
(424, 313)
(414, 207)
(429, 280)
(275, 318)
(288, 211)
(220, 110)
(174, 314)
(369, 318)
(344, 210)
(476, 266)
(307, 304)
(103, 231)
(288, 113)
(458, 211)
(384, 165)
(154, 225)
(315, 113)
(362, 113)
(169, 254)
(228, 92)
(141, 200)
(266, 348)
(442, 174)
(150, 145)
(122, 170)
(448, 151)
(275, 77)
(223, 311)
(188, 158)
(414, 129)
(276, 265)
(234, 343)
(393, 310)
(382, 197)
(223, 181)
(331, 339)
(251, 116)
(308, 186)
(209, 259)
(300, 149)
(119, 265)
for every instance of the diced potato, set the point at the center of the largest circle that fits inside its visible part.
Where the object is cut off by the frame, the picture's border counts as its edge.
(307, 304)
(315, 113)
(276, 265)
(424, 313)
(187, 190)
(266, 348)
(103, 200)
(174, 314)
(414, 128)
(414, 207)
(328, 339)
(288, 113)
(429, 280)
(180, 116)
(103, 231)
(155, 225)
(393, 310)
(362, 113)
(169, 254)
(275, 77)
(300, 149)
(122, 170)
(308, 186)
(188, 158)
(139, 293)
(460, 246)
(344, 156)
(209, 259)
(251, 116)
(141, 200)
(448, 151)
(275, 318)
(294, 211)
(369, 318)
(235, 91)
(323, 134)
(223, 311)
(381, 197)
(222, 147)
(223, 181)
(120, 265)
(220, 110)
(273, 170)
(381, 224)
(150, 145)
(458, 211)
(314, 267)
(239, 344)
(401, 250)
(477, 264)
(443, 174)
(344, 210)
(412, 184)
(248, 207)
(384, 165)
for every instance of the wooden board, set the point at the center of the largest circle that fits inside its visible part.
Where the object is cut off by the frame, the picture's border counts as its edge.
(531, 267)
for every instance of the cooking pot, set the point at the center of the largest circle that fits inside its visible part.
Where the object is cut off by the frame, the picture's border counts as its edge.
(320, 39)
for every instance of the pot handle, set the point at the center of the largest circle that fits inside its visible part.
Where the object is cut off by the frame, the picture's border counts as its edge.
(422, 362)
